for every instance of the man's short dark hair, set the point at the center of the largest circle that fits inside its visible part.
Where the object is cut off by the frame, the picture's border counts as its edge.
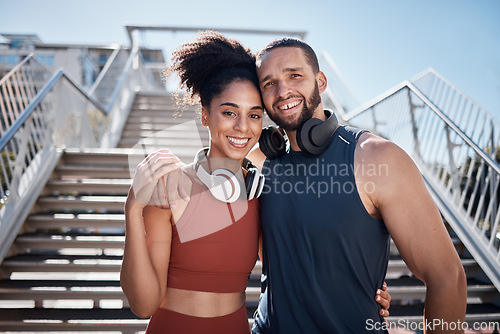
(311, 57)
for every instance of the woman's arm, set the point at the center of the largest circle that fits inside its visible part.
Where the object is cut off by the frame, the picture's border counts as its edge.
(143, 275)
(148, 234)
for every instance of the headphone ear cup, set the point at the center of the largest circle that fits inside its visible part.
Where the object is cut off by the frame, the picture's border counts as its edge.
(249, 183)
(222, 183)
(226, 185)
(259, 181)
(254, 183)
(272, 142)
(304, 137)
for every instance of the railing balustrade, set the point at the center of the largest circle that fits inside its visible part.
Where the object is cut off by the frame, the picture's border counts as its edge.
(61, 114)
(469, 116)
(461, 173)
(18, 88)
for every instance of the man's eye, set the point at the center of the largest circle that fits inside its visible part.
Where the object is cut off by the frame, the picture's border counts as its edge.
(268, 84)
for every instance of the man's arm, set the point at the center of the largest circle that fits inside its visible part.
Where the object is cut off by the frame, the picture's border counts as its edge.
(257, 157)
(400, 197)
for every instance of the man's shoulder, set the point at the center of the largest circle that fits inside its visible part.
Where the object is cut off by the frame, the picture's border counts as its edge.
(396, 164)
(373, 147)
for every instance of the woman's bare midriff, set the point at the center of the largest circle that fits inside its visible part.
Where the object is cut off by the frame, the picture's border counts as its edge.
(202, 304)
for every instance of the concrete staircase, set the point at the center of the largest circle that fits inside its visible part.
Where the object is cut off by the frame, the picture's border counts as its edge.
(155, 122)
(63, 271)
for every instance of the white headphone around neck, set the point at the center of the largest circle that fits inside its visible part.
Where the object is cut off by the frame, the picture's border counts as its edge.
(224, 184)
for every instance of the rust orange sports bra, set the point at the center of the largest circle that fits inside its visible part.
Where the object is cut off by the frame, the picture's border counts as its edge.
(214, 244)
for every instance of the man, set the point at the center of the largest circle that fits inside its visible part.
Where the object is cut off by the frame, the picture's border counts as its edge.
(326, 218)
(314, 242)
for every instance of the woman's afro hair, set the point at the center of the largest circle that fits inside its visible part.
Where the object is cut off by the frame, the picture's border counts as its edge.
(211, 62)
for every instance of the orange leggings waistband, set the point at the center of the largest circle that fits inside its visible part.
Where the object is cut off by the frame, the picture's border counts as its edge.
(170, 322)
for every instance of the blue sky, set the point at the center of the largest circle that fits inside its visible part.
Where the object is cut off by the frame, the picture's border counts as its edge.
(375, 43)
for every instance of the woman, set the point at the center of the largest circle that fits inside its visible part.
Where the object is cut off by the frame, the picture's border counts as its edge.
(188, 266)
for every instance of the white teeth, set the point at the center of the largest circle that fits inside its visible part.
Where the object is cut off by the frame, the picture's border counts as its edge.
(238, 141)
(289, 105)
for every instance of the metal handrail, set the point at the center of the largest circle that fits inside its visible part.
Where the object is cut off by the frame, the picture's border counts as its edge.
(461, 176)
(467, 114)
(39, 97)
(131, 28)
(20, 64)
(104, 70)
(128, 66)
(364, 107)
(432, 71)
(407, 84)
(491, 163)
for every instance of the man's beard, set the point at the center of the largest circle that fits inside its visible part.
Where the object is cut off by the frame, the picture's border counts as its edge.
(307, 112)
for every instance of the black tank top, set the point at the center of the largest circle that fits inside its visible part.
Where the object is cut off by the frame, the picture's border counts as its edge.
(324, 256)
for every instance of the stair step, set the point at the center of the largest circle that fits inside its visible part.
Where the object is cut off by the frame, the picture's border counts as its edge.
(57, 241)
(75, 290)
(68, 203)
(166, 125)
(186, 155)
(97, 172)
(165, 101)
(159, 106)
(58, 290)
(61, 264)
(99, 156)
(179, 128)
(160, 97)
(76, 263)
(156, 110)
(92, 320)
(93, 220)
(475, 292)
(120, 164)
(89, 187)
(162, 119)
(144, 133)
(183, 143)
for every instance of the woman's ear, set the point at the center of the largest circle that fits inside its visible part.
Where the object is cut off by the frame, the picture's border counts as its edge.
(322, 82)
(204, 116)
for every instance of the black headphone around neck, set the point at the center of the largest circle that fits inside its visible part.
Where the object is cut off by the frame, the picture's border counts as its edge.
(224, 184)
(313, 136)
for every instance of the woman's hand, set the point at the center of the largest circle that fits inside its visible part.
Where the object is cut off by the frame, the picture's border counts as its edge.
(384, 299)
(145, 186)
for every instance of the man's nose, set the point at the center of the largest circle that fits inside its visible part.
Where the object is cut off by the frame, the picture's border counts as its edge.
(283, 89)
